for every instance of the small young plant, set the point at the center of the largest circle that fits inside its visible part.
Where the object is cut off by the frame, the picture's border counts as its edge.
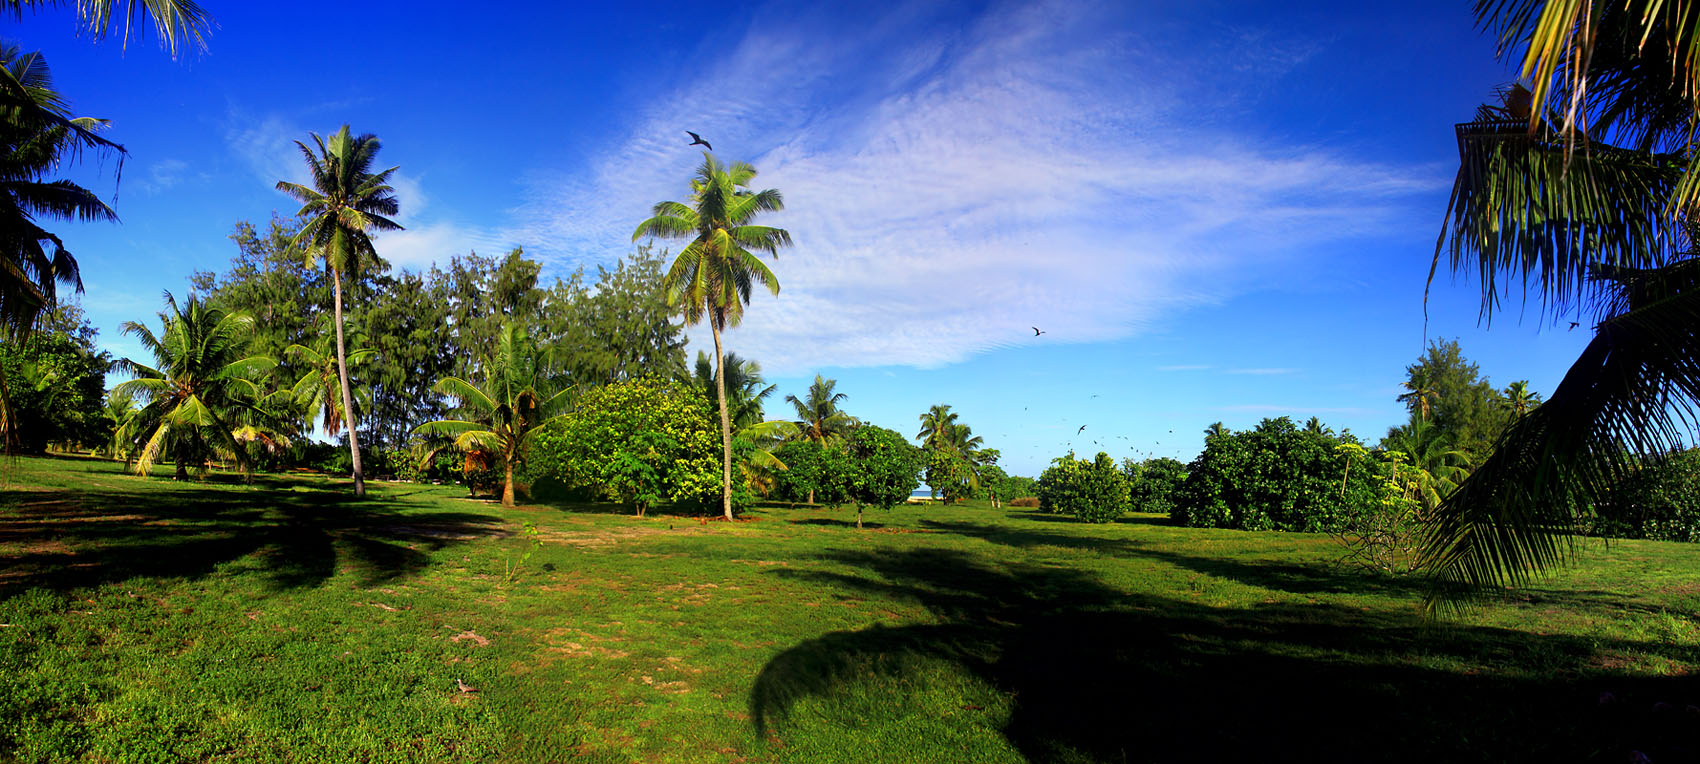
(533, 542)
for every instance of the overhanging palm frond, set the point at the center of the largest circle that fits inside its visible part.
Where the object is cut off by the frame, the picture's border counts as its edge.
(1632, 392)
(1522, 209)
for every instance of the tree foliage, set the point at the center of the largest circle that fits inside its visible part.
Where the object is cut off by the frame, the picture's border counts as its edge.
(813, 473)
(1153, 483)
(55, 380)
(883, 468)
(640, 442)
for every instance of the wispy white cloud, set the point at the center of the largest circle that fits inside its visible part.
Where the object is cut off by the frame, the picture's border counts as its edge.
(165, 174)
(948, 191)
(1183, 367)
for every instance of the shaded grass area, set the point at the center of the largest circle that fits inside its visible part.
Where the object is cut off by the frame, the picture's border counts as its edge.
(153, 621)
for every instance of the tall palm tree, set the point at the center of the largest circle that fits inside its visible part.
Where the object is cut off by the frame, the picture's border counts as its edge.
(713, 275)
(177, 22)
(818, 416)
(1582, 185)
(746, 391)
(346, 202)
(201, 388)
(317, 389)
(1519, 399)
(505, 415)
(1215, 430)
(937, 426)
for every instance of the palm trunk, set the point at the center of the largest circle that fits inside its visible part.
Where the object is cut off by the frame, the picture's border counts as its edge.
(811, 497)
(508, 485)
(347, 396)
(725, 421)
(858, 517)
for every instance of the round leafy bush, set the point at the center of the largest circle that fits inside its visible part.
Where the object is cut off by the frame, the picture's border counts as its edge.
(1093, 491)
(1275, 477)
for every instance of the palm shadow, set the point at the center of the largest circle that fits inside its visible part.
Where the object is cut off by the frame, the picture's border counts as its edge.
(1098, 675)
(300, 531)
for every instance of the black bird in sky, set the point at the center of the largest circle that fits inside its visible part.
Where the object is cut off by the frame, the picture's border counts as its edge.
(1573, 325)
(697, 139)
(1081, 430)
(1036, 331)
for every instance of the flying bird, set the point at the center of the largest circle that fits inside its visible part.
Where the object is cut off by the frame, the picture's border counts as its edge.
(1573, 325)
(696, 140)
(1036, 331)
(1081, 430)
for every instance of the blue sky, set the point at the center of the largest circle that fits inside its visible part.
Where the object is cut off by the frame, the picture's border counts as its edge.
(1217, 211)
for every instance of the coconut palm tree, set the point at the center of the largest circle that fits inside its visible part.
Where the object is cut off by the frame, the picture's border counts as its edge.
(937, 426)
(1519, 399)
(345, 203)
(317, 389)
(177, 22)
(818, 416)
(1582, 185)
(712, 277)
(504, 416)
(200, 389)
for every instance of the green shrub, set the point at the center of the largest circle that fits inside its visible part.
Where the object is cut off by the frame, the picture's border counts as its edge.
(1151, 484)
(1095, 491)
(814, 474)
(1660, 502)
(1275, 477)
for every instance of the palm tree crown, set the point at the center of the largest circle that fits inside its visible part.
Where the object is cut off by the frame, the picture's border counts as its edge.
(936, 426)
(818, 416)
(345, 202)
(712, 276)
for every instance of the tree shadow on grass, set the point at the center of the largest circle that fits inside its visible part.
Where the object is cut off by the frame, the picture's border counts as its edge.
(1098, 675)
(833, 523)
(1295, 578)
(303, 532)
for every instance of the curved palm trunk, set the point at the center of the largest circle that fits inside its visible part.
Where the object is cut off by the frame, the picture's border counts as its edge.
(725, 422)
(347, 396)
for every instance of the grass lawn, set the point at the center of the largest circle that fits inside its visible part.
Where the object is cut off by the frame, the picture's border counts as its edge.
(143, 620)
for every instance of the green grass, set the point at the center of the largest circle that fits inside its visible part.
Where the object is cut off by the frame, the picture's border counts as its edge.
(147, 620)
